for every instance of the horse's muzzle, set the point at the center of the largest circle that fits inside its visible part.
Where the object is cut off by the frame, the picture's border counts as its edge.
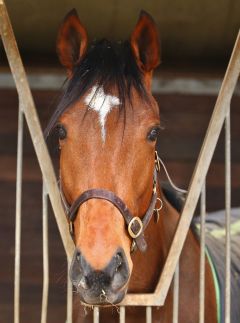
(100, 287)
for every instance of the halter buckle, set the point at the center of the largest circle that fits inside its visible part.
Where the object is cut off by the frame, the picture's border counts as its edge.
(135, 220)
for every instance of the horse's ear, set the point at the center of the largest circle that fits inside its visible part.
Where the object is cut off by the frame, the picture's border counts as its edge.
(72, 41)
(145, 43)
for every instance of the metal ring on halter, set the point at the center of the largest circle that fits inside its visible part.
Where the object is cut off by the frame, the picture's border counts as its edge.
(161, 205)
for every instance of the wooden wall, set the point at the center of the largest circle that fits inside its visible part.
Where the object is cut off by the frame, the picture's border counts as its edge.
(185, 119)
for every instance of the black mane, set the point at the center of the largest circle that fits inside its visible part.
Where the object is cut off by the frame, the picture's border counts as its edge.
(105, 64)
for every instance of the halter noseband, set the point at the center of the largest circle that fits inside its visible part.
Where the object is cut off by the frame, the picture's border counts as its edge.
(135, 225)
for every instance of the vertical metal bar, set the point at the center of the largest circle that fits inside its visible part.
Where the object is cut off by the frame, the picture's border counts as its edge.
(122, 314)
(18, 217)
(176, 295)
(69, 295)
(228, 218)
(96, 314)
(202, 255)
(148, 314)
(45, 255)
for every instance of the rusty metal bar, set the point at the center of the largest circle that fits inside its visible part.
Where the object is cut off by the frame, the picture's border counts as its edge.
(69, 296)
(53, 80)
(45, 255)
(228, 219)
(176, 295)
(31, 116)
(122, 314)
(96, 314)
(221, 109)
(148, 314)
(18, 217)
(202, 255)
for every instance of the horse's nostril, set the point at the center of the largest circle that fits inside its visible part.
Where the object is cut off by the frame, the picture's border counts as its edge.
(83, 283)
(78, 256)
(119, 261)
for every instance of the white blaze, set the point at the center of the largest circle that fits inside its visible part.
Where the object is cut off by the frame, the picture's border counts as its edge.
(102, 103)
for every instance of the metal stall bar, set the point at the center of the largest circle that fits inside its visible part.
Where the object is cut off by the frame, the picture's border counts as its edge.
(45, 254)
(220, 110)
(202, 255)
(33, 123)
(206, 153)
(148, 314)
(29, 110)
(228, 219)
(176, 295)
(122, 314)
(69, 295)
(18, 216)
(96, 314)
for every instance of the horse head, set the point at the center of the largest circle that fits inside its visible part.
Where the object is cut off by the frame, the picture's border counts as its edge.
(107, 123)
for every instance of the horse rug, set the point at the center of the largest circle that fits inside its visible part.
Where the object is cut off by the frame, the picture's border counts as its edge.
(215, 251)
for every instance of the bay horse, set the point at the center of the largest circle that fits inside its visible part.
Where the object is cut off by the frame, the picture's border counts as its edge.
(108, 123)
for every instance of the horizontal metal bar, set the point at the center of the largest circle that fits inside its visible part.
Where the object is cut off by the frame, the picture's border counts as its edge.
(53, 80)
(191, 86)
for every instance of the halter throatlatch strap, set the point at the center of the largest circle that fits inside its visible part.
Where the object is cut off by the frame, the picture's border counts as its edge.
(135, 225)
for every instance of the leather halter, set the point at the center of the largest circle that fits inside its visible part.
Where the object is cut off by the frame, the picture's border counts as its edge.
(136, 226)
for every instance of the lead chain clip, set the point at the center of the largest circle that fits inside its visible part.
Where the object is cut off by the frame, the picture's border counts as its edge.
(158, 209)
(157, 162)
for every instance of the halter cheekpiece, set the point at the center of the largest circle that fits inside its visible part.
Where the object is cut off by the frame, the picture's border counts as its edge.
(135, 225)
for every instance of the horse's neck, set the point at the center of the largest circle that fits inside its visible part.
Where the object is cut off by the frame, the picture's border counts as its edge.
(148, 266)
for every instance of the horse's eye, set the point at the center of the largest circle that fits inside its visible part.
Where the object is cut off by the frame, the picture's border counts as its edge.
(61, 131)
(153, 134)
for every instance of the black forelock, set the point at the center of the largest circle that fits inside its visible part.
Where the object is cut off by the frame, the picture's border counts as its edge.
(105, 64)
